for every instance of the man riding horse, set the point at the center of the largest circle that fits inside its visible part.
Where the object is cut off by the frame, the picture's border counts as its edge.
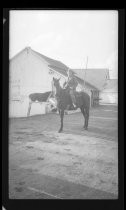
(63, 98)
(71, 84)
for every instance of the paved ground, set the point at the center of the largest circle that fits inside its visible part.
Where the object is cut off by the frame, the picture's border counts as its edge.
(75, 164)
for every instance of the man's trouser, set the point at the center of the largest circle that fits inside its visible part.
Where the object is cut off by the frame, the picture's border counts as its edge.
(72, 96)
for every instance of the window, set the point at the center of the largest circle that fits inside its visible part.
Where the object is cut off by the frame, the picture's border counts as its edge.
(51, 71)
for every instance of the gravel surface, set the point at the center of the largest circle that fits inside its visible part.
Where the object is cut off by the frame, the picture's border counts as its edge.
(74, 164)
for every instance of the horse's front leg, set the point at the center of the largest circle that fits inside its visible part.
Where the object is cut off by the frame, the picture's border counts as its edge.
(61, 118)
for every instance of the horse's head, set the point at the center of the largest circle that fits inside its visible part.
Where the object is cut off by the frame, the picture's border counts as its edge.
(56, 82)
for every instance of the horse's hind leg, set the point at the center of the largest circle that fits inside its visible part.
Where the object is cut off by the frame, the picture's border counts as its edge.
(84, 114)
(86, 119)
(29, 109)
(61, 117)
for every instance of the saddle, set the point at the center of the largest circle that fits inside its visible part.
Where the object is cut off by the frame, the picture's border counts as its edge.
(78, 94)
(78, 97)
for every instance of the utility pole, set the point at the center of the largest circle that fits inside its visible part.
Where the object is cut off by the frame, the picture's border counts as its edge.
(85, 72)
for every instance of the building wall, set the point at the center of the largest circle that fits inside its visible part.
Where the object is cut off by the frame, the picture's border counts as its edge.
(109, 97)
(29, 74)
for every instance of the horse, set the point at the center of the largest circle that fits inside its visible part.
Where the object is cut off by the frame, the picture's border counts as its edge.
(64, 100)
(38, 97)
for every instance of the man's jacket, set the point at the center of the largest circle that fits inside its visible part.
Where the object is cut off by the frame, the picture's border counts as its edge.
(72, 82)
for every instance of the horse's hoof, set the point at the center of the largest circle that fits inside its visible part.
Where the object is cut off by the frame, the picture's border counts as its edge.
(60, 131)
(85, 128)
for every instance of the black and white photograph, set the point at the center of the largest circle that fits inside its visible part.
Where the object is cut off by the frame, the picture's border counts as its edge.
(63, 104)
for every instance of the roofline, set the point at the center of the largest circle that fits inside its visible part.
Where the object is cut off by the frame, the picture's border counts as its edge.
(87, 83)
(65, 76)
(90, 68)
(18, 53)
(54, 66)
(39, 54)
(57, 71)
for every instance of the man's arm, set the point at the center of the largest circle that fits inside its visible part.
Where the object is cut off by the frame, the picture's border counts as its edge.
(75, 81)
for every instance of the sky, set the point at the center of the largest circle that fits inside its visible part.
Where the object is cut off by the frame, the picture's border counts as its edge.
(70, 36)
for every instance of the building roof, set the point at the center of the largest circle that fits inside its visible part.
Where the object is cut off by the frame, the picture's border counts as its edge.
(62, 68)
(58, 66)
(96, 77)
(111, 85)
(52, 62)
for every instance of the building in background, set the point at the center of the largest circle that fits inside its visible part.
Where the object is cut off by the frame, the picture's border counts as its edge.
(32, 72)
(96, 77)
(109, 94)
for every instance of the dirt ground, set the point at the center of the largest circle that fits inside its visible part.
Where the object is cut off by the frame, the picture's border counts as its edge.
(74, 164)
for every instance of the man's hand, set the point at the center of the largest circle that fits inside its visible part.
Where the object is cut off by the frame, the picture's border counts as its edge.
(64, 84)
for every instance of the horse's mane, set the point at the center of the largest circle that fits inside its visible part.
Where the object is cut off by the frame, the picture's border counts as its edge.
(64, 90)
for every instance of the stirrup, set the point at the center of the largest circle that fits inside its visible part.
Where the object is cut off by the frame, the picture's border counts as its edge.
(74, 106)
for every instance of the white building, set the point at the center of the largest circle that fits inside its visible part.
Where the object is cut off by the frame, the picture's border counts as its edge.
(107, 89)
(96, 77)
(32, 72)
(109, 95)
